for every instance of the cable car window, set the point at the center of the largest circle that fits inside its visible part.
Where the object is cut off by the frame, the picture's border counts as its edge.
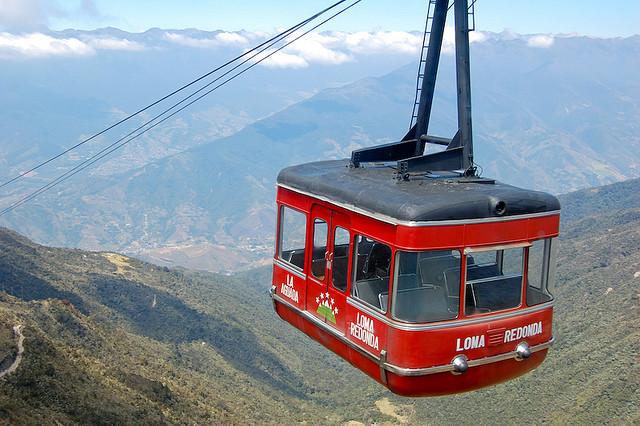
(539, 268)
(427, 286)
(494, 280)
(293, 226)
(372, 260)
(319, 255)
(340, 258)
(553, 263)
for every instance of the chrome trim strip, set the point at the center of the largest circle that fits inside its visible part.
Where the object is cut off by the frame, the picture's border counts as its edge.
(289, 268)
(489, 279)
(472, 362)
(393, 221)
(383, 371)
(480, 249)
(445, 324)
(423, 327)
(401, 370)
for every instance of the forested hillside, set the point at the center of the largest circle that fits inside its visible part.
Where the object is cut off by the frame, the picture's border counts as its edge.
(109, 339)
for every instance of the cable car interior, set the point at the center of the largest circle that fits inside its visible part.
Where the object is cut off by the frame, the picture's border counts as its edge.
(428, 277)
(424, 284)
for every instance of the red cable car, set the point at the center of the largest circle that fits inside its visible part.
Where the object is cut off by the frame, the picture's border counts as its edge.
(426, 277)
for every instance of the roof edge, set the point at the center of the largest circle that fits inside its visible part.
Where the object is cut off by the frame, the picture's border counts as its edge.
(416, 224)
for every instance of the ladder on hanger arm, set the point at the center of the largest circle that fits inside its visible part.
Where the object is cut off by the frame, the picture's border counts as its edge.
(409, 153)
(423, 60)
(431, 7)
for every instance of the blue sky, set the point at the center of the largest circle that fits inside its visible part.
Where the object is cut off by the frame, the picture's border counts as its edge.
(590, 17)
(599, 18)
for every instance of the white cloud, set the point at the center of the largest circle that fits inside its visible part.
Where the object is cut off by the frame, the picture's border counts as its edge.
(36, 15)
(328, 48)
(38, 45)
(283, 60)
(382, 42)
(231, 38)
(220, 39)
(543, 41)
(115, 44)
(20, 15)
(319, 48)
(189, 41)
(334, 48)
(477, 36)
(449, 39)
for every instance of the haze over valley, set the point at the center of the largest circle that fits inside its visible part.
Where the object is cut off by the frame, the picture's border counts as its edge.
(199, 190)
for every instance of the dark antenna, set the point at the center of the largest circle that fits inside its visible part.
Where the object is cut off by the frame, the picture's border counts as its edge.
(458, 155)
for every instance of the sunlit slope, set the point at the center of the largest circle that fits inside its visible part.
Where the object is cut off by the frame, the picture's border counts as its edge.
(111, 339)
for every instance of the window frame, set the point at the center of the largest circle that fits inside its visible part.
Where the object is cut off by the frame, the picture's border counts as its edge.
(549, 265)
(315, 220)
(349, 259)
(354, 270)
(280, 236)
(462, 276)
(554, 251)
(524, 246)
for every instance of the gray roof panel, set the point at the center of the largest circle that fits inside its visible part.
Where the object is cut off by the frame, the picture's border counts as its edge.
(421, 199)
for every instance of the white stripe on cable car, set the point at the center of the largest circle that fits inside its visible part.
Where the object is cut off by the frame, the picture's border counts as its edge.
(480, 249)
(444, 324)
(423, 327)
(393, 221)
(402, 371)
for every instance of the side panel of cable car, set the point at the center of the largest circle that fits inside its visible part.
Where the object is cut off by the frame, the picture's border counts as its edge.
(423, 321)
(410, 265)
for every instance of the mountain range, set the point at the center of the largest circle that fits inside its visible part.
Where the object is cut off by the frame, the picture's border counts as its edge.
(555, 116)
(58, 87)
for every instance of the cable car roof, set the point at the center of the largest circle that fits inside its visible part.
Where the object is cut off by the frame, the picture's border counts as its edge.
(374, 189)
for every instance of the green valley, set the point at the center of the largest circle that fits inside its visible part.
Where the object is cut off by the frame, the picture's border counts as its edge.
(113, 340)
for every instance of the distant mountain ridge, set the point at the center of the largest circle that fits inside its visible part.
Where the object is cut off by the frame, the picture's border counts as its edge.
(61, 86)
(557, 118)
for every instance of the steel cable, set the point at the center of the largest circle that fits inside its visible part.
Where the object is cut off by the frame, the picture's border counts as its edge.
(140, 111)
(120, 143)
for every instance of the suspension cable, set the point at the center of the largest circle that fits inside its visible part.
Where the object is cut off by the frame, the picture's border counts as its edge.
(119, 144)
(191, 83)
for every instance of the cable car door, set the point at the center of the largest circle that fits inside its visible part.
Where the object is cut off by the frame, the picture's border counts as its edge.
(329, 259)
(339, 272)
(318, 260)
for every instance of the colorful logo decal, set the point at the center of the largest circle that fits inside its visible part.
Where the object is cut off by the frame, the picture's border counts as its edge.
(326, 308)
